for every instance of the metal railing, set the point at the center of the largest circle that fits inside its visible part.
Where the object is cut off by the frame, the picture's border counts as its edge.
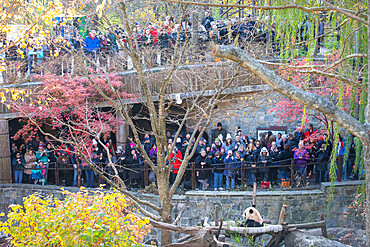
(242, 169)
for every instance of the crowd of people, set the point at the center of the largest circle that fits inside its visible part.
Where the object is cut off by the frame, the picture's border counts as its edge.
(218, 159)
(161, 35)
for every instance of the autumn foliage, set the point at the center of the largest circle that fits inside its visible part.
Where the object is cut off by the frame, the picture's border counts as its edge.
(82, 219)
(306, 75)
(69, 104)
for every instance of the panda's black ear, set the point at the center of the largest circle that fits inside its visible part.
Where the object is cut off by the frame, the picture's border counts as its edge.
(251, 211)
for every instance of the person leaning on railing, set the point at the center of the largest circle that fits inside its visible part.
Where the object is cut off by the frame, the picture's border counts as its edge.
(202, 163)
(322, 156)
(217, 166)
(301, 157)
(264, 160)
(284, 158)
(29, 158)
(230, 171)
(18, 166)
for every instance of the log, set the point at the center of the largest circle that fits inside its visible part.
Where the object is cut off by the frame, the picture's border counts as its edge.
(282, 214)
(311, 225)
(256, 230)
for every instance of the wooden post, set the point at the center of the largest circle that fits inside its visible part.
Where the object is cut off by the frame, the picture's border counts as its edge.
(216, 215)
(242, 173)
(146, 174)
(340, 166)
(78, 175)
(282, 214)
(5, 167)
(193, 176)
(101, 168)
(323, 227)
(56, 174)
(292, 173)
(254, 199)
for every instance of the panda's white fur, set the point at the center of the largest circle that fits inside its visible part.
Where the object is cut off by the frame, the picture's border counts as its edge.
(252, 214)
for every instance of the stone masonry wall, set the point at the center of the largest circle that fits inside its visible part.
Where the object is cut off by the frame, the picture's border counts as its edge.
(250, 114)
(303, 205)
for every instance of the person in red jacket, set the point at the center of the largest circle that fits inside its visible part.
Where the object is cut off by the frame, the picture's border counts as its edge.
(176, 158)
(153, 32)
(310, 130)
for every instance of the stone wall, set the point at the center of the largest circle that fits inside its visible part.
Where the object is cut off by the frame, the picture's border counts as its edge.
(250, 112)
(303, 205)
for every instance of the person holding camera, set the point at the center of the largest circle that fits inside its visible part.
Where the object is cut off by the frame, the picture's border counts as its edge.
(176, 158)
(18, 166)
(202, 162)
(230, 171)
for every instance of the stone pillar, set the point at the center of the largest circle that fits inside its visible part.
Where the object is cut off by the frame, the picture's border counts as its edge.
(122, 131)
(5, 165)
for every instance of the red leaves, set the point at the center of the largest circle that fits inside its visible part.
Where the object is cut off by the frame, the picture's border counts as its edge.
(72, 102)
(327, 87)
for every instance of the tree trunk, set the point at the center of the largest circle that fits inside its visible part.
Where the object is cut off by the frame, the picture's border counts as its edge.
(366, 147)
(166, 205)
(366, 144)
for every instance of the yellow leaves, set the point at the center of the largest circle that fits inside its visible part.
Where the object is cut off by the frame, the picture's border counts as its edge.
(20, 52)
(82, 219)
(15, 96)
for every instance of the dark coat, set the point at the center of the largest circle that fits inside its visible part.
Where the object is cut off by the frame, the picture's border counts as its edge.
(285, 157)
(217, 165)
(203, 174)
(260, 163)
(322, 158)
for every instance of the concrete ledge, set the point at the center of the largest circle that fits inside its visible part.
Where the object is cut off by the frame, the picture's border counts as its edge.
(250, 193)
(343, 183)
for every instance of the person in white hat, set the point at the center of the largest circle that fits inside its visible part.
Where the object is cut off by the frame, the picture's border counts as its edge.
(264, 160)
(228, 144)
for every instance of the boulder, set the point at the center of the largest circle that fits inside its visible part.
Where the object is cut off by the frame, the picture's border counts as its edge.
(353, 237)
(303, 239)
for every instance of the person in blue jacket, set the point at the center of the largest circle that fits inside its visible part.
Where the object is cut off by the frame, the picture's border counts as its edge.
(91, 42)
(230, 171)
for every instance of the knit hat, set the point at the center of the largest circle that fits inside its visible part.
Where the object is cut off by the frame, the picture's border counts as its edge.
(228, 136)
(264, 150)
(217, 140)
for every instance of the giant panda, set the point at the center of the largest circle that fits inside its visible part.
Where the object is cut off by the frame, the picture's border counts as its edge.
(253, 218)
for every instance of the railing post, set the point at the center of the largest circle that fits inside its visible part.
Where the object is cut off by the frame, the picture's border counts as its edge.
(78, 176)
(193, 176)
(146, 174)
(73, 65)
(340, 166)
(56, 174)
(101, 169)
(292, 173)
(242, 172)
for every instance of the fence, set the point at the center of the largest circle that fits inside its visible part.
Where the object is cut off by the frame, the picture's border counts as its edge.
(141, 171)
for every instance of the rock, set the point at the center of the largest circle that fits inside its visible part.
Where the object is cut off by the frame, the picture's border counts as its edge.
(353, 237)
(303, 239)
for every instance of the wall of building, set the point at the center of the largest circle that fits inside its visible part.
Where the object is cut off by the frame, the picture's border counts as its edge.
(250, 112)
(303, 205)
